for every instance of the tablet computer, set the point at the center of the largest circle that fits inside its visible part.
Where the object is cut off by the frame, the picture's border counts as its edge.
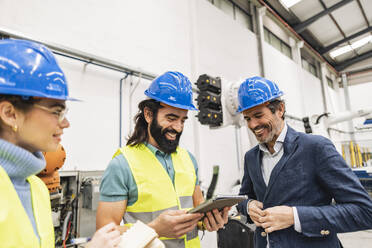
(218, 202)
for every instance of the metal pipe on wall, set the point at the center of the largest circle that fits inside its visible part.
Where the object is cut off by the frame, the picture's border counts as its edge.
(194, 60)
(131, 92)
(238, 146)
(121, 108)
(260, 12)
(323, 82)
(347, 103)
(90, 59)
(83, 56)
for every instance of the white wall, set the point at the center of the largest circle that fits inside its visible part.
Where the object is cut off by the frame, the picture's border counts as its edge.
(191, 36)
(194, 37)
(229, 51)
(302, 89)
(147, 34)
(93, 135)
(360, 98)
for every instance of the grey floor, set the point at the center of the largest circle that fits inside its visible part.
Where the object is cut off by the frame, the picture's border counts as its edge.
(362, 239)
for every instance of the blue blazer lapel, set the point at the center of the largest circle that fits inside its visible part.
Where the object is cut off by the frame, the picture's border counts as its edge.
(290, 145)
(256, 170)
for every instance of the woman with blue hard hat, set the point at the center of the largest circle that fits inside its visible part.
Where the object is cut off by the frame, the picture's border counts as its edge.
(33, 91)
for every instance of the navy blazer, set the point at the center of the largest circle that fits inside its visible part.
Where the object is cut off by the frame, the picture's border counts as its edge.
(309, 175)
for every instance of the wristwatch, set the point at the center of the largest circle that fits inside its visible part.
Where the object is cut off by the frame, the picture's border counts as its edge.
(248, 204)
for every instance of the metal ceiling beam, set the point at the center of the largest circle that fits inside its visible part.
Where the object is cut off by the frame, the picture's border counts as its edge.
(337, 25)
(358, 71)
(344, 64)
(303, 25)
(363, 12)
(297, 35)
(337, 43)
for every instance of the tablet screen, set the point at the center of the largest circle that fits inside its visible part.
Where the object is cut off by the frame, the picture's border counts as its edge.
(218, 202)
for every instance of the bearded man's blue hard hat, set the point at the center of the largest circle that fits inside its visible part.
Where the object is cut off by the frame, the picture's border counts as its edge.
(172, 88)
(255, 91)
(29, 69)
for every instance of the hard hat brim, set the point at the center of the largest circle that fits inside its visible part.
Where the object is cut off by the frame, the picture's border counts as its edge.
(181, 106)
(239, 110)
(33, 93)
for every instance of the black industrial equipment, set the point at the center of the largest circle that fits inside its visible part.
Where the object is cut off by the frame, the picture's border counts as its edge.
(212, 185)
(307, 125)
(235, 234)
(209, 100)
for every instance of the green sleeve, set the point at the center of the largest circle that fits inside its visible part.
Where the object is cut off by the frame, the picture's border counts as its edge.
(116, 180)
(195, 167)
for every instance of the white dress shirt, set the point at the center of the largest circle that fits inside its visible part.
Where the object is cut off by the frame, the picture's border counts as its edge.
(268, 163)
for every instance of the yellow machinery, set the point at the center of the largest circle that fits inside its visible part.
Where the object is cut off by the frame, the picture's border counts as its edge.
(343, 152)
(352, 155)
(355, 155)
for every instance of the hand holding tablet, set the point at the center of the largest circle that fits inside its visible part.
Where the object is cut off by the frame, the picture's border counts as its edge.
(218, 202)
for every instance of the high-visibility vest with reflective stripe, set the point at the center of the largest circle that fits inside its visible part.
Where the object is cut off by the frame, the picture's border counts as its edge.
(156, 192)
(15, 227)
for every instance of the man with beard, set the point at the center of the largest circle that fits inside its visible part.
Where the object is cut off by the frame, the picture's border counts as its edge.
(291, 179)
(152, 179)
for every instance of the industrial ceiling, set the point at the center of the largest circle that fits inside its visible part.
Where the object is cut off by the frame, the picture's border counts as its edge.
(328, 25)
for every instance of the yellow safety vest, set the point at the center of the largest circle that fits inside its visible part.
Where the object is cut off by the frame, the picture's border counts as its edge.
(16, 230)
(156, 192)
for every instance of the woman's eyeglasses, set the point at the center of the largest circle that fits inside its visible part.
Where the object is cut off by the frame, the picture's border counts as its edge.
(60, 113)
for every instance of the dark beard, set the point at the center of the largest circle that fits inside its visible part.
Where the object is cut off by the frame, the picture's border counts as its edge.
(158, 133)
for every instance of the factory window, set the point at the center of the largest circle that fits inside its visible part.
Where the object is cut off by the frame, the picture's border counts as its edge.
(310, 67)
(239, 13)
(273, 40)
(226, 6)
(330, 82)
(242, 16)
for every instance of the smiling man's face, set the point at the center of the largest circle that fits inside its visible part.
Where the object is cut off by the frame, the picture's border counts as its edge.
(264, 124)
(167, 126)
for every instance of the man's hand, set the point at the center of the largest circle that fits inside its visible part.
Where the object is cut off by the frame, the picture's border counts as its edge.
(255, 211)
(277, 218)
(108, 236)
(175, 223)
(215, 220)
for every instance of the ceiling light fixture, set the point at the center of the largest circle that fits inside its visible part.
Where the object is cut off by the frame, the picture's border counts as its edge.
(289, 3)
(348, 48)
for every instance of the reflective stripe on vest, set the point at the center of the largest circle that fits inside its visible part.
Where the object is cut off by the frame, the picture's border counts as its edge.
(15, 227)
(156, 192)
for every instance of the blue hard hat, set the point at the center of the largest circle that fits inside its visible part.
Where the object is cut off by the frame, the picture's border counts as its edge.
(172, 88)
(255, 91)
(30, 69)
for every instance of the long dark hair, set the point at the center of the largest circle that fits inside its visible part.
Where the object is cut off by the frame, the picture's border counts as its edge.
(140, 133)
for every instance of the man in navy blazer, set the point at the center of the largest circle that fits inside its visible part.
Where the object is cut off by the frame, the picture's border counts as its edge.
(292, 178)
